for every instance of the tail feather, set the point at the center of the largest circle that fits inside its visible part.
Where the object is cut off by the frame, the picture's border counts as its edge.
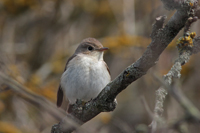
(59, 97)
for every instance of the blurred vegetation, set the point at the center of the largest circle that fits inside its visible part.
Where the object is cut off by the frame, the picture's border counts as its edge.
(38, 36)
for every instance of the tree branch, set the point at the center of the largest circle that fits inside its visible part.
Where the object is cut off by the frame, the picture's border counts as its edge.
(186, 46)
(160, 40)
(38, 101)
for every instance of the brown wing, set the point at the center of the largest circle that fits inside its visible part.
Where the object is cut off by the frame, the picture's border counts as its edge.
(107, 67)
(59, 96)
(70, 58)
(60, 91)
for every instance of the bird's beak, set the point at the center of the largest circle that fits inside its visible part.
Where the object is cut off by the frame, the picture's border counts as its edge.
(102, 49)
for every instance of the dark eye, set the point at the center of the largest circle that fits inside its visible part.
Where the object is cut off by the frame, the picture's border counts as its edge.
(90, 48)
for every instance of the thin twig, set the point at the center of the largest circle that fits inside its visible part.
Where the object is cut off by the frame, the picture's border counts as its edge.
(37, 100)
(185, 51)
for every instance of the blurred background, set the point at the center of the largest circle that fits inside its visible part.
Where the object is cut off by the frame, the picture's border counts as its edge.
(38, 36)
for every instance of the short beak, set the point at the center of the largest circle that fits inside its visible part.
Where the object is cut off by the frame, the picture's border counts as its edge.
(102, 49)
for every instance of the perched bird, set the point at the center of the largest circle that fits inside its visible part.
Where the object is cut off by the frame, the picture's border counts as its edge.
(85, 74)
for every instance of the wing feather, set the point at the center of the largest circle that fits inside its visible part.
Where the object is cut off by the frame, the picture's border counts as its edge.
(107, 67)
(59, 96)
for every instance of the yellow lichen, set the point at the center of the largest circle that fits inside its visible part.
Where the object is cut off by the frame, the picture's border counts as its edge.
(192, 35)
(186, 40)
(191, 4)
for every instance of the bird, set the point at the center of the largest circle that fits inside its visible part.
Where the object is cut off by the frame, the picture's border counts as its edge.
(85, 73)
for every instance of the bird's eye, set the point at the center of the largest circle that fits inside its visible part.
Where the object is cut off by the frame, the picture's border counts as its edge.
(90, 48)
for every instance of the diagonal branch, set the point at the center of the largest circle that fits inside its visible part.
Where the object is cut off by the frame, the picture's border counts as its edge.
(36, 100)
(187, 46)
(160, 40)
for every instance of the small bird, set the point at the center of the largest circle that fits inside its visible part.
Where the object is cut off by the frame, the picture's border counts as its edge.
(85, 74)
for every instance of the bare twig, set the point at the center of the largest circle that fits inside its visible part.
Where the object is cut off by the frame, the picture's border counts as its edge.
(192, 113)
(37, 100)
(158, 121)
(147, 107)
(185, 51)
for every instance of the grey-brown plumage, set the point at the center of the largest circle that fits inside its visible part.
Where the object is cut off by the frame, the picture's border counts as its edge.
(85, 74)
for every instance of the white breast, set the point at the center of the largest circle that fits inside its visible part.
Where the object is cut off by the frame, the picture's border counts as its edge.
(84, 79)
